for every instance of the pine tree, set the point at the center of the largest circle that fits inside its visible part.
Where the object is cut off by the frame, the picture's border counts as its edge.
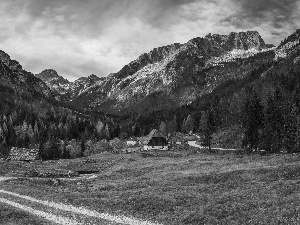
(163, 128)
(30, 134)
(252, 121)
(99, 129)
(61, 130)
(51, 149)
(175, 124)
(207, 127)
(22, 138)
(106, 132)
(1, 134)
(290, 129)
(189, 124)
(271, 134)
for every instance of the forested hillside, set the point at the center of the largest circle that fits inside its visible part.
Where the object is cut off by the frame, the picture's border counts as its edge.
(31, 116)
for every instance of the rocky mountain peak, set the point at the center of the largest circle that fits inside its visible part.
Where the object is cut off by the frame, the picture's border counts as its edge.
(93, 76)
(246, 40)
(53, 80)
(238, 40)
(291, 40)
(12, 64)
(50, 71)
(89, 79)
(50, 75)
(67, 90)
(4, 57)
(154, 56)
(12, 75)
(160, 53)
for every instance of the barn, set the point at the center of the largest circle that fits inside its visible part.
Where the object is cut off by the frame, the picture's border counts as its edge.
(24, 154)
(155, 141)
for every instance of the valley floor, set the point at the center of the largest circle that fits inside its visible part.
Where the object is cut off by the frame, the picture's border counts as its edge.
(171, 189)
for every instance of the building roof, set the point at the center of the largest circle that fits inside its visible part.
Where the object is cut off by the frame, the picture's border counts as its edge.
(153, 134)
(24, 154)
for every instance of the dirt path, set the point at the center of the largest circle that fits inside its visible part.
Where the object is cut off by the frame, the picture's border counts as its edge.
(64, 214)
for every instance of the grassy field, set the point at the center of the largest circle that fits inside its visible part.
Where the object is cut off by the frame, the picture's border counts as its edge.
(176, 188)
(11, 216)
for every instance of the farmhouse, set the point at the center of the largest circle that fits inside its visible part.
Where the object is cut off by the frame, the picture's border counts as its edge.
(155, 141)
(24, 154)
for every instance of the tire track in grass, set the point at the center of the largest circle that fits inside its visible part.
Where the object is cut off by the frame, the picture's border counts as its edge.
(6, 178)
(84, 211)
(48, 216)
(80, 218)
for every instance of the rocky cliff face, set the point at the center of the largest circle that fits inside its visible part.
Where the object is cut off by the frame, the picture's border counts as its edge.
(23, 82)
(173, 75)
(288, 44)
(80, 85)
(67, 90)
(287, 57)
(54, 81)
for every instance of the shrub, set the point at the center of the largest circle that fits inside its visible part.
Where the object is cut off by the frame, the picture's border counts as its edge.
(230, 137)
(117, 144)
(51, 149)
(74, 149)
(98, 147)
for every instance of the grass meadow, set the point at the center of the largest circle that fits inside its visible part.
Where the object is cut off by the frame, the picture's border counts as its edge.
(12, 216)
(172, 189)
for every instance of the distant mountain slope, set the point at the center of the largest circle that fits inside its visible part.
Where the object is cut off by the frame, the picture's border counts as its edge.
(66, 89)
(22, 82)
(80, 85)
(174, 75)
(54, 81)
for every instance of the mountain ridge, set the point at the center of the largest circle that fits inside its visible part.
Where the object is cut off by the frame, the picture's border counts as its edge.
(13, 76)
(173, 73)
(66, 89)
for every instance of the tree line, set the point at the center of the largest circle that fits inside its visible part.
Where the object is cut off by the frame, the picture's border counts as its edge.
(272, 126)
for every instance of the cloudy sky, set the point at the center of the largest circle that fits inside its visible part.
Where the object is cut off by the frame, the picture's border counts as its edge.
(81, 37)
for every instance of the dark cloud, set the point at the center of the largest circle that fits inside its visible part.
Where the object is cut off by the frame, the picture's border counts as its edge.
(80, 37)
(93, 16)
(256, 12)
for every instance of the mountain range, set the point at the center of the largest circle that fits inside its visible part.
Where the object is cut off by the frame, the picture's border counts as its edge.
(175, 75)
(165, 78)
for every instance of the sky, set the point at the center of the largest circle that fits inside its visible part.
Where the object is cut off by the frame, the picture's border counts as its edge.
(82, 37)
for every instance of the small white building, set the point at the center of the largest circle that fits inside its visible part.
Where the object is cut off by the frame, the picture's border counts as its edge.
(131, 141)
(155, 141)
